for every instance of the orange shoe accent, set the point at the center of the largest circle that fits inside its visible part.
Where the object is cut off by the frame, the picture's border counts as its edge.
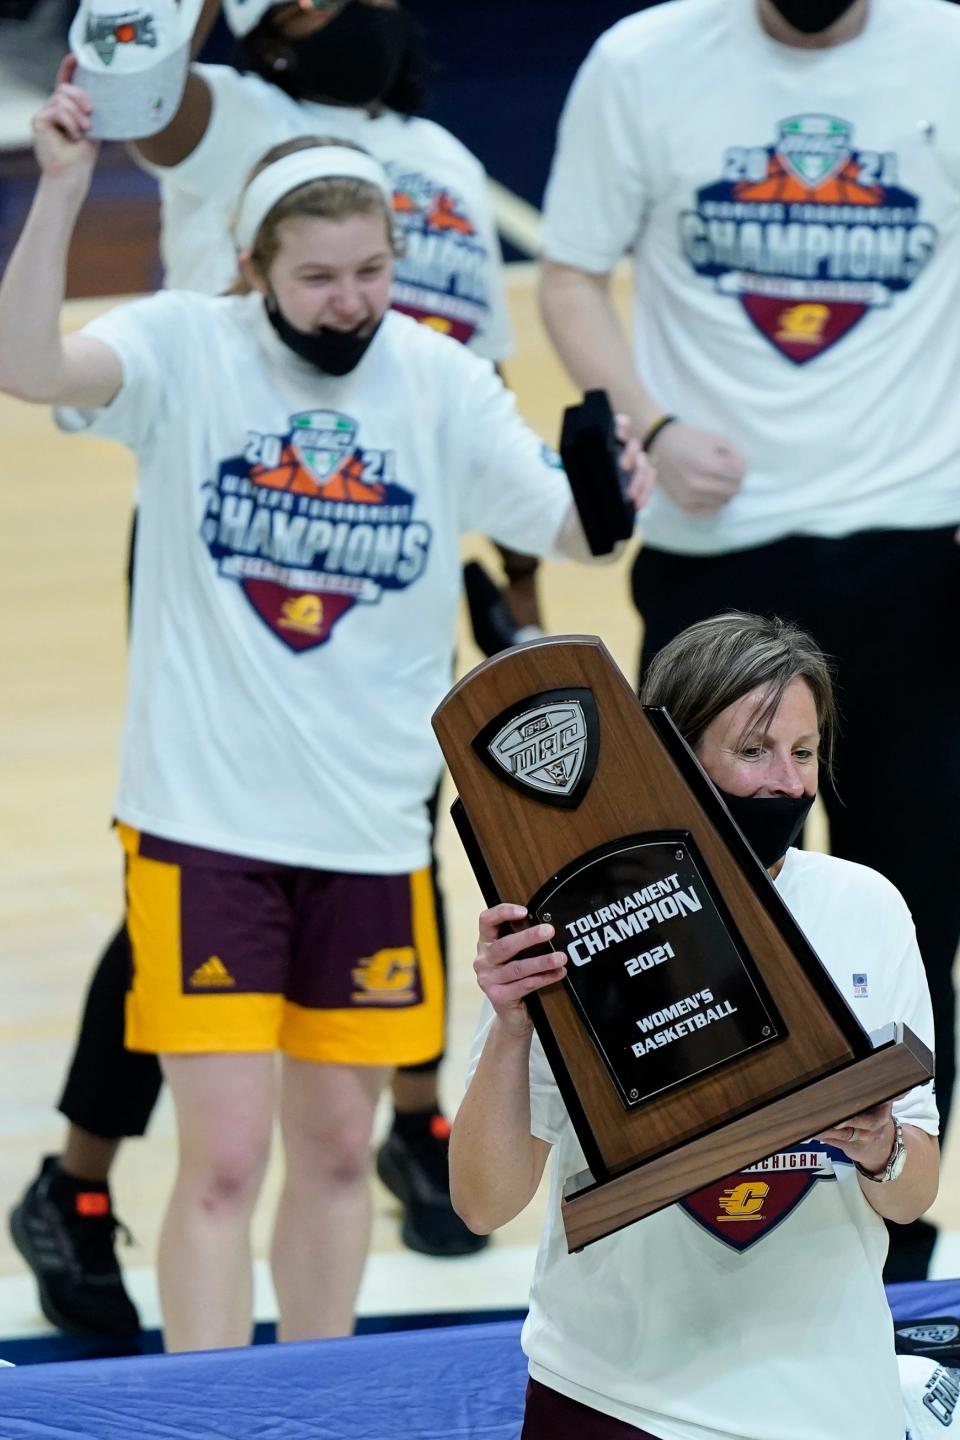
(91, 1204)
(440, 1127)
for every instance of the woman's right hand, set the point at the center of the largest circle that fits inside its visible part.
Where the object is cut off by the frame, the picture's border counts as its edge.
(701, 472)
(60, 127)
(504, 974)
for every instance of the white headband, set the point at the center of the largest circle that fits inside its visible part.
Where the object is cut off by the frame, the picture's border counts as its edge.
(321, 162)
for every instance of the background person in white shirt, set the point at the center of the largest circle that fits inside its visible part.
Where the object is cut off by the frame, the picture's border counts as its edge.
(785, 175)
(684, 1326)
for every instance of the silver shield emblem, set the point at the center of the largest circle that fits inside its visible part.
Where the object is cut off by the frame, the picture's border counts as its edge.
(930, 1333)
(544, 748)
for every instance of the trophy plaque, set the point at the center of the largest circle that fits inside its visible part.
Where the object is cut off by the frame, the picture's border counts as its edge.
(696, 1031)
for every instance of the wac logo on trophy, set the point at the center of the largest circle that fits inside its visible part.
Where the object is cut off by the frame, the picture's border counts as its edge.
(545, 745)
(809, 234)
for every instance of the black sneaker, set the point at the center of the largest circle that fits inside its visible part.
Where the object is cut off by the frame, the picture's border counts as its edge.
(65, 1230)
(494, 628)
(416, 1172)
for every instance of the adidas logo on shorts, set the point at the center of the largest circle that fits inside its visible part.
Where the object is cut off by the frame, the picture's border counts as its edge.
(212, 974)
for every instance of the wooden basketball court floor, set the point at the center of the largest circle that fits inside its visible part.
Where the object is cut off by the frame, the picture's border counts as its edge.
(62, 658)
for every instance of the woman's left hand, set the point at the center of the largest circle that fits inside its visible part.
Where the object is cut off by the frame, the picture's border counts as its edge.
(866, 1139)
(634, 463)
(60, 128)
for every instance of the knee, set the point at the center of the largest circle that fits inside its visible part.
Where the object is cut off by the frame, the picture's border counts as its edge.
(225, 1179)
(339, 1155)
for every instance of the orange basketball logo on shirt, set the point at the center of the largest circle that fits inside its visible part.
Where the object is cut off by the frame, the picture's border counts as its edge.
(438, 209)
(445, 216)
(345, 483)
(288, 474)
(843, 188)
(813, 160)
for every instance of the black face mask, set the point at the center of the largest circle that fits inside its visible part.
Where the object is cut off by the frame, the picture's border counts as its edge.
(335, 352)
(352, 60)
(770, 825)
(811, 16)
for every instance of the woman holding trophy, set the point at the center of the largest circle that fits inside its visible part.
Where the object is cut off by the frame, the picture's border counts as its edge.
(753, 1310)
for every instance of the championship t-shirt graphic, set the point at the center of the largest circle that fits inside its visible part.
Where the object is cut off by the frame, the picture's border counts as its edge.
(441, 277)
(310, 523)
(810, 233)
(744, 1208)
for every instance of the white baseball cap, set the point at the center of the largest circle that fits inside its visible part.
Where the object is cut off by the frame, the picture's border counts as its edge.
(132, 62)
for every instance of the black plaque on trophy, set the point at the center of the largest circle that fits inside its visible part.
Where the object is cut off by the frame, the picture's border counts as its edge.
(665, 986)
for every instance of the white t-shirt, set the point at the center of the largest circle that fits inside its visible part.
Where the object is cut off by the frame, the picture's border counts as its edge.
(451, 274)
(298, 573)
(696, 1326)
(794, 217)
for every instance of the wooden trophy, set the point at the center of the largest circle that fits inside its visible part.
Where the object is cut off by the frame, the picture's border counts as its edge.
(696, 1032)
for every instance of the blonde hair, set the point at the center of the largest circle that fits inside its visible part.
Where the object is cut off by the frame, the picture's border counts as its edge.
(327, 199)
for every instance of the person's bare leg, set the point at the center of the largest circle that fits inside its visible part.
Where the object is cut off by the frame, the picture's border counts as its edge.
(322, 1229)
(86, 1156)
(415, 1090)
(224, 1107)
(520, 595)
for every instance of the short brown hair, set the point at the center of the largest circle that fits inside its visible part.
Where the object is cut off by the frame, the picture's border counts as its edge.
(332, 198)
(716, 662)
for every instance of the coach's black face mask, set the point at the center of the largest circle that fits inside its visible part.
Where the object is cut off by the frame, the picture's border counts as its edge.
(811, 16)
(770, 824)
(335, 352)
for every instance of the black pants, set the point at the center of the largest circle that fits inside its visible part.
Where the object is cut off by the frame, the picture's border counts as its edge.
(111, 1091)
(884, 605)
